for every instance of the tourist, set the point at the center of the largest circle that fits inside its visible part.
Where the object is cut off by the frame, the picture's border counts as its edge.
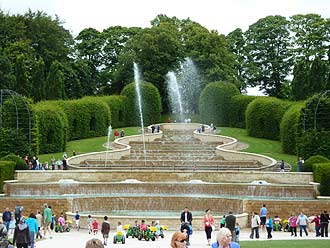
(153, 128)
(65, 164)
(230, 222)
(52, 162)
(282, 165)
(224, 238)
(158, 128)
(316, 221)
(94, 243)
(89, 224)
(293, 224)
(47, 219)
(186, 223)
(178, 240)
(105, 230)
(300, 164)
(77, 220)
(302, 222)
(157, 233)
(263, 214)
(95, 226)
(122, 133)
(12, 225)
(21, 234)
(255, 222)
(237, 232)
(223, 221)
(3, 231)
(324, 221)
(18, 213)
(6, 217)
(269, 227)
(33, 227)
(116, 134)
(208, 224)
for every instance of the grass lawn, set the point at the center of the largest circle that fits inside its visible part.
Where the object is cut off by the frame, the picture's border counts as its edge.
(86, 145)
(285, 243)
(271, 148)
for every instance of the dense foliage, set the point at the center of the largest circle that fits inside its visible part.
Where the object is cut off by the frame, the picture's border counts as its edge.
(319, 169)
(308, 165)
(214, 101)
(237, 108)
(289, 128)
(263, 117)
(117, 105)
(20, 164)
(151, 104)
(325, 180)
(6, 172)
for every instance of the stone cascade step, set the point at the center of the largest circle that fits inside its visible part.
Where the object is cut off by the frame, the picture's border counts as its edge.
(178, 152)
(171, 157)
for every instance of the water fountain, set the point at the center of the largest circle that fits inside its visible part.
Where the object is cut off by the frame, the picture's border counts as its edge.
(108, 144)
(174, 94)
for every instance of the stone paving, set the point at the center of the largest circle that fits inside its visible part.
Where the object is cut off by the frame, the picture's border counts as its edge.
(76, 239)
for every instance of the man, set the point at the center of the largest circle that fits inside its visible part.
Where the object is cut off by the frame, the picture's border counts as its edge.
(105, 230)
(324, 220)
(186, 219)
(230, 222)
(6, 217)
(255, 222)
(18, 213)
(263, 215)
(47, 219)
(300, 164)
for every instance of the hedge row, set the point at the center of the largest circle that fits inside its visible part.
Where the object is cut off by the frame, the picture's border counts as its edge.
(151, 104)
(7, 169)
(322, 176)
(117, 105)
(214, 101)
(237, 108)
(263, 117)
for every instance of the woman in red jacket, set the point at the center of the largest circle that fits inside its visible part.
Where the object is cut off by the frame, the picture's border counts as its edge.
(208, 223)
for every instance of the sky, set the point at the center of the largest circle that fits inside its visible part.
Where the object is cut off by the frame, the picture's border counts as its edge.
(223, 16)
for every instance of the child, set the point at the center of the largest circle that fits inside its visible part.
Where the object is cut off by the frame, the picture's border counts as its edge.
(269, 227)
(157, 233)
(143, 226)
(77, 218)
(105, 230)
(12, 225)
(223, 221)
(119, 227)
(237, 232)
(61, 220)
(90, 224)
(95, 226)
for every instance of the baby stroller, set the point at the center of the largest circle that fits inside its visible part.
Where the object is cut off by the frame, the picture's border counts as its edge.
(187, 229)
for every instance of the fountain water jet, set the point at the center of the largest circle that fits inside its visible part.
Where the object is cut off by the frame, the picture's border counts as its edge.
(108, 144)
(174, 94)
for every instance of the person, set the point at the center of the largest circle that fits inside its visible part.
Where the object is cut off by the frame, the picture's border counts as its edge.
(3, 231)
(186, 223)
(269, 227)
(263, 214)
(255, 222)
(95, 226)
(33, 227)
(230, 222)
(47, 219)
(178, 240)
(77, 219)
(223, 221)
(300, 164)
(21, 234)
(122, 133)
(282, 165)
(12, 225)
(65, 155)
(153, 128)
(52, 162)
(18, 213)
(61, 220)
(277, 223)
(293, 224)
(302, 222)
(316, 221)
(169, 119)
(74, 153)
(157, 233)
(158, 128)
(89, 224)
(94, 243)
(208, 224)
(224, 239)
(324, 221)
(116, 134)
(105, 230)
(65, 164)
(59, 164)
(6, 218)
(237, 232)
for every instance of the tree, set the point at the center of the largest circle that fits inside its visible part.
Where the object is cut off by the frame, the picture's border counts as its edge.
(269, 57)
(23, 85)
(38, 91)
(55, 82)
(299, 85)
(7, 78)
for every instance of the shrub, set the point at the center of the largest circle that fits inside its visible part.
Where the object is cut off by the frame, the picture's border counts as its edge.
(52, 127)
(87, 117)
(151, 104)
(319, 169)
(7, 169)
(117, 105)
(263, 117)
(13, 141)
(214, 101)
(19, 162)
(237, 108)
(308, 165)
(325, 181)
(289, 128)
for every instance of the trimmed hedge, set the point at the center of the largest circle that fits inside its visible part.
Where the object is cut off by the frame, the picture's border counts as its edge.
(117, 105)
(19, 162)
(308, 165)
(52, 127)
(263, 117)
(321, 175)
(151, 104)
(214, 101)
(7, 169)
(237, 108)
(289, 128)
(87, 117)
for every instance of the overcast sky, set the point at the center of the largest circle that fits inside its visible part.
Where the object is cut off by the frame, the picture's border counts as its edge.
(224, 16)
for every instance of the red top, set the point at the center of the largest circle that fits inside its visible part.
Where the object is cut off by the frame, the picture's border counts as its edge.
(95, 225)
(208, 220)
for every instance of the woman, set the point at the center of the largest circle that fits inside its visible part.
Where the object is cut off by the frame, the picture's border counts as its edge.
(208, 222)
(21, 234)
(33, 227)
(94, 243)
(223, 239)
(178, 240)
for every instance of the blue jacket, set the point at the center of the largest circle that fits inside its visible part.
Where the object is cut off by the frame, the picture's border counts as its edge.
(33, 225)
(232, 245)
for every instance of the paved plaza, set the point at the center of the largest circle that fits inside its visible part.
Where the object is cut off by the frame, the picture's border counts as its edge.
(76, 239)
